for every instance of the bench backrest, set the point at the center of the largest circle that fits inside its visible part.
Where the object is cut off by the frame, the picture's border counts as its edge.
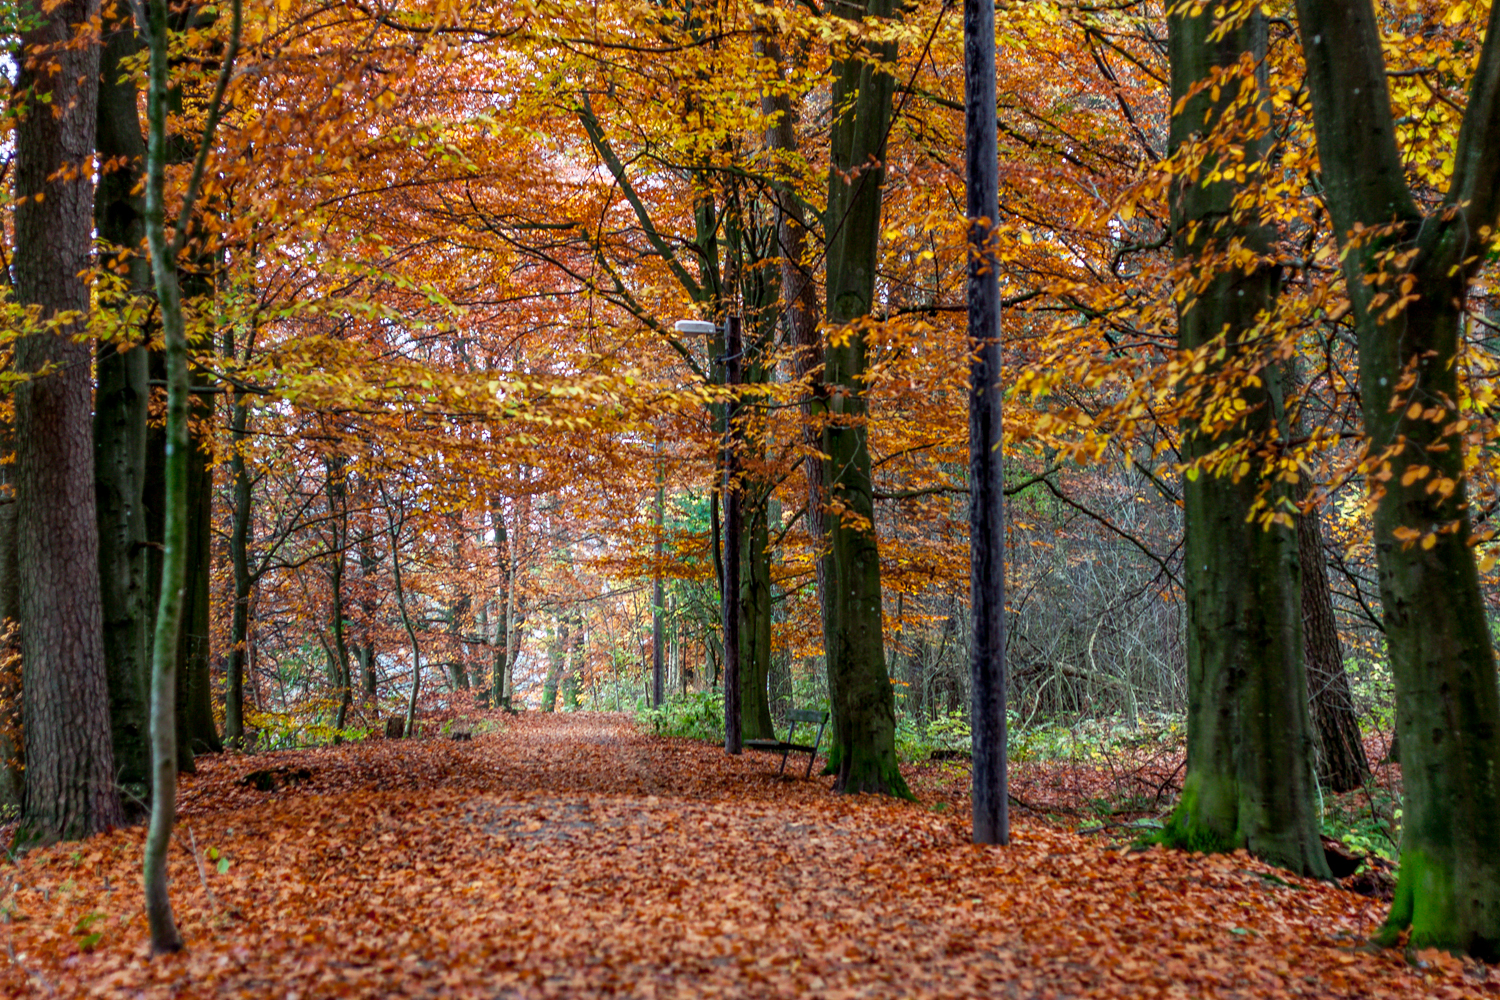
(807, 715)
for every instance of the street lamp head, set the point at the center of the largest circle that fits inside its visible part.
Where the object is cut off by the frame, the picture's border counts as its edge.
(691, 326)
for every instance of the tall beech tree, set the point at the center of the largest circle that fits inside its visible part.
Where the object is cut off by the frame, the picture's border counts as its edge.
(859, 688)
(1408, 268)
(70, 787)
(121, 400)
(1249, 780)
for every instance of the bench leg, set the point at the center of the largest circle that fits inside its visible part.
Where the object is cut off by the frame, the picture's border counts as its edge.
(782, 769)
(814, 755)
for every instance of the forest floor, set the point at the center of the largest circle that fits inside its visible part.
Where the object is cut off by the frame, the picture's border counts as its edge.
(572, 856)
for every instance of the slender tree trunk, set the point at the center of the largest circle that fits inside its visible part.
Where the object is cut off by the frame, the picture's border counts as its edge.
(1341, 758)
(755, 637)
(557, 655)
(368, 563)
(120, 411)
(241, 533)
(393, 532)
(70, 780)
(338, 504)
(1436, 629)
(1249, 774)
(197, 731)
(176, 545)
(1342, 763)
(508, 628)
(574, 666)
(864, 717)
(1341, 753)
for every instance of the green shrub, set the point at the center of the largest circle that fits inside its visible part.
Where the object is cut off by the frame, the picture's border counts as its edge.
(1367, 820)
(697, 716)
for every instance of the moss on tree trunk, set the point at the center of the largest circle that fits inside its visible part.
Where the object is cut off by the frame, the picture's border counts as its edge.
(1249, 778)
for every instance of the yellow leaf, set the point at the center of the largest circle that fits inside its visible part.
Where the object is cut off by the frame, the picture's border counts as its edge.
(1413, 474)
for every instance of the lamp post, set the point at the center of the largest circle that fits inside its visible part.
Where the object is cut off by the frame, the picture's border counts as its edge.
(986, 481)
(729, 597)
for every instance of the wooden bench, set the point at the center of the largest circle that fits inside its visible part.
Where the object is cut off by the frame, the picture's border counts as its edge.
(786, 746)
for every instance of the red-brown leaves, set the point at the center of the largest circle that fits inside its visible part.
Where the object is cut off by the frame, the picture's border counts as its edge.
(571, 856)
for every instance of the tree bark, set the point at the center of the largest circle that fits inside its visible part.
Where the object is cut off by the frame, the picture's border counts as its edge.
(368, 564)
(196, 731)
(394, 524)
(120, 413)
(1341, 753)
(338, 504)
(1441, 652)
(557, 654)
(241, 534)
(70, 781)
(864, 718)
(1249, 779)
(755, 634)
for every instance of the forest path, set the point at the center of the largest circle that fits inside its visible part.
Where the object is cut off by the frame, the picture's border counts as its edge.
(572, 856)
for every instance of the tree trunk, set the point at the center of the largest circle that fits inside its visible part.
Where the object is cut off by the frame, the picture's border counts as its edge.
(70, 779)
(755, 635)
(1249, 779)
(338, 504)
(1442, 657)
(368, 564)
(573, 667)
(196, 730)
(1341, 753)
(1341, 761)
(120, 412)
(393, 529)
(241, 533)
(177, 493)
(556, 656)
(864, 719)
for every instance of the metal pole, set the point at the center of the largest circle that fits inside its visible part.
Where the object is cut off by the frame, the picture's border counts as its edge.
(986, 481)
(732, 527)
(657, 610)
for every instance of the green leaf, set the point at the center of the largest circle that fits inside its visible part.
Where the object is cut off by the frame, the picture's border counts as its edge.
(85, 921)
(223, 866)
